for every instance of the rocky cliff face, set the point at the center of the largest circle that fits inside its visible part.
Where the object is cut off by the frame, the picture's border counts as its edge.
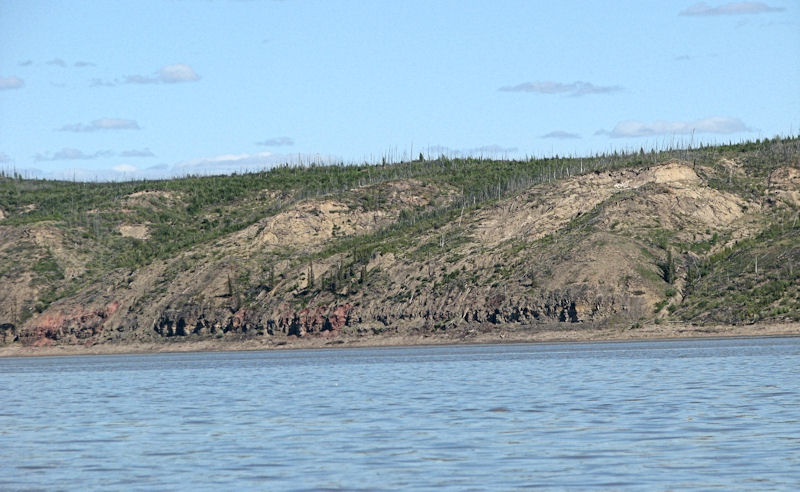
(198, 320)
(610, 248)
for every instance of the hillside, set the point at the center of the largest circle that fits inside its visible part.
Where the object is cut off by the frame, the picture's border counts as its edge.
(450, 248)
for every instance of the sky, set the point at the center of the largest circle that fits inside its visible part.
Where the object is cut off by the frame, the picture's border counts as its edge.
(122, 89)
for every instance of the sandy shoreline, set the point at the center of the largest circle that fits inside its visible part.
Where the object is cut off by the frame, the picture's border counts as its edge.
(647, 332)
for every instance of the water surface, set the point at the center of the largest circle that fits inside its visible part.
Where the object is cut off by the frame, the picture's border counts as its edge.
(645, 415)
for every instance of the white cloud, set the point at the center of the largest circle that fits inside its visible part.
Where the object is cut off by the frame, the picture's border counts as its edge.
(67, 154)
(82, 64)
(125, 168)
(714, 124)
(560, 134)
(574, 89)
(170, 74)
(102, 124)
(137, 153)
(276, 142)
(179, 72)
(12, 82)
(730, 8)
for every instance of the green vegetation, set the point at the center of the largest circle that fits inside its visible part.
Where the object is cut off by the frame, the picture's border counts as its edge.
(756, 279)
(186, 221)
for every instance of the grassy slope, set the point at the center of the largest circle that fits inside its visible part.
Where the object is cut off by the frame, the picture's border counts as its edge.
(187, 217)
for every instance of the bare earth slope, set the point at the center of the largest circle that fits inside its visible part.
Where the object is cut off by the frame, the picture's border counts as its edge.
(660, 246)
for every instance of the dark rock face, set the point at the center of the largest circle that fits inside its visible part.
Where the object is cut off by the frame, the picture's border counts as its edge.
(568, 306)
(194, 319)
(199, 320)
(187, 320)
(8, 333)
(320, 320)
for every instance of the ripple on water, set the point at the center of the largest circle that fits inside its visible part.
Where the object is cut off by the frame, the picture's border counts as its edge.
(683, 414)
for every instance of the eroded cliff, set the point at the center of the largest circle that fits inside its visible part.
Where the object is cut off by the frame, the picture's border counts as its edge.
(645, 238)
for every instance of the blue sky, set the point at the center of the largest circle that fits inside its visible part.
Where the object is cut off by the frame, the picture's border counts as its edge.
(119, 89)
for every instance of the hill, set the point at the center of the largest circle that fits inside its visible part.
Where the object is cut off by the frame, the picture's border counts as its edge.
(450, 249)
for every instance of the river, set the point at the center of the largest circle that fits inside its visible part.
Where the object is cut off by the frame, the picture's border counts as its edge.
(655, 415)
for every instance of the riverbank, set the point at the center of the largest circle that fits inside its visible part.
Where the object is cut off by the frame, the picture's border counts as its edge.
(500, 335)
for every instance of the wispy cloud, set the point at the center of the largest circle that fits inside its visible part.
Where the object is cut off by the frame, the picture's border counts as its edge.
(695, 57)
(276, 142)
(169, 74)
(69, 154)
(560, 134)
(714, 124)
(493, 149)
(57, 62)
(137, 153)
(125, 168)
(137, 79)
(485, 150)
(123, 171)
(25, 63)
(12, 82)
(103, 83)
(730, 8)
(440, 149)
(78, 174)
(101, 125)
(574, 89)
(247, 162)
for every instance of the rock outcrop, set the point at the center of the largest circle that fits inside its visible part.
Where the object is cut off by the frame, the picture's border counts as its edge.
(70, 325)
